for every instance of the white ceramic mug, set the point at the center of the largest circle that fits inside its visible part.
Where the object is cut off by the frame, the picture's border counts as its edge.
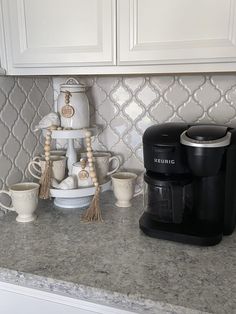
(58, 167)
(102, 162)
(24, 198)
(123, 187)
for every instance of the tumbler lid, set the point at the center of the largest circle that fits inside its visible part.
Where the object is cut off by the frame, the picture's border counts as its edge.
(210, 136)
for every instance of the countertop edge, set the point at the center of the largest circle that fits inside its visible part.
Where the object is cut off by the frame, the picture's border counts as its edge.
(90, 294)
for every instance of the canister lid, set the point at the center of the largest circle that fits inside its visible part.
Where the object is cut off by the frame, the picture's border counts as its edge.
(72, 85)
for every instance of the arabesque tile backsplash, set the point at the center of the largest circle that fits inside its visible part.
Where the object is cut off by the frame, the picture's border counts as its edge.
(23, 102)
(124, 106)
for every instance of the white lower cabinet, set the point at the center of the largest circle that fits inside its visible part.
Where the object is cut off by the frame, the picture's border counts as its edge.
(16, 300)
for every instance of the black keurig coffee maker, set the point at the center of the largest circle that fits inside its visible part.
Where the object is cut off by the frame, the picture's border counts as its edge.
(190, 182)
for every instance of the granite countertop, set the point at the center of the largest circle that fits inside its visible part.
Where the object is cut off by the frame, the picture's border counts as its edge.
(114, 263)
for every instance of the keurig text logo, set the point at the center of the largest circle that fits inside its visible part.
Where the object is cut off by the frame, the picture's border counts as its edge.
(164, 161)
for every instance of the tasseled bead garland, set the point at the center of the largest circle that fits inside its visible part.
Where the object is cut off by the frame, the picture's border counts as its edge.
(93, 213)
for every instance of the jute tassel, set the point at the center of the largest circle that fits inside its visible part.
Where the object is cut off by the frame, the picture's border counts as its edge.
(93, 213)
(45, 180)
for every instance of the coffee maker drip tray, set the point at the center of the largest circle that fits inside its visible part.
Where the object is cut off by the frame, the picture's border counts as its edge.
(197, 233)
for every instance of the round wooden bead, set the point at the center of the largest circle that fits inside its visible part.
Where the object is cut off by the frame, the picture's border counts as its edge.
(95, 180)
(91, 169)
(59, 128)
(49, 134)
(92, 174)
(88, 140)
(88, 133)
(90, 160)
(89, 149)
(47, 158)
(47, 154)
(89, 154)
(47, 148)
(47, 142)
(53, 127)
(90, 163)
(96, 184)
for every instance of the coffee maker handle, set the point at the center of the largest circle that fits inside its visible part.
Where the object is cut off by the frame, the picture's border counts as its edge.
(177, 203)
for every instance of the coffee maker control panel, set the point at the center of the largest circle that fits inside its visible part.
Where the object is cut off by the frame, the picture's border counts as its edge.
(162, 149)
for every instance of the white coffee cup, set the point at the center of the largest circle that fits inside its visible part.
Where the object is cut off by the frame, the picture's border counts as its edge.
(24, 198)
(102, 162)
(58, 167)
(123, 187)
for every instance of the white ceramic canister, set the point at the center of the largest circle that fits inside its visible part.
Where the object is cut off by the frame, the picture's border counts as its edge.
(73, 105)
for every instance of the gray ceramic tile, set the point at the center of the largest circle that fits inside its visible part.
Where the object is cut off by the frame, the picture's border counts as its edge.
(23, 102)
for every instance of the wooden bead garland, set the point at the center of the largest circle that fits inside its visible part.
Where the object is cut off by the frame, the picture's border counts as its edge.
(93, 213)
(45, 180)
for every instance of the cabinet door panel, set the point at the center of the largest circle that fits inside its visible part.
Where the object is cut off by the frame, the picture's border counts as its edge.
(180, 31)
(2, 44)
(50, 33)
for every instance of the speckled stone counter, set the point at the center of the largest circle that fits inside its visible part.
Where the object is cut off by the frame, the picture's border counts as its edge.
(114, 263)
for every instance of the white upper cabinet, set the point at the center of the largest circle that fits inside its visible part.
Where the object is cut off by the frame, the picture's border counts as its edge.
(59, 33)
(177, 32)
(2, 46)
(118, 36)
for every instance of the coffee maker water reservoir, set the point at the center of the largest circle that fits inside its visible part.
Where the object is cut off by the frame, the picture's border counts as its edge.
(190, 182)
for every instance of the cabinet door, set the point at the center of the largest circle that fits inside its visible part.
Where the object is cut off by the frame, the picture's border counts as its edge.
(2, 44)
(59, 33)
(176, 31)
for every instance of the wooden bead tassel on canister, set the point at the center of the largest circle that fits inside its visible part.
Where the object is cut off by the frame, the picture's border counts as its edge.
(93, 213)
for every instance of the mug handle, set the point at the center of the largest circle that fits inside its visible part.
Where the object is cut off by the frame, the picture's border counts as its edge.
(36, 158)
(118, 164)
(4, 206)
(32, 163)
